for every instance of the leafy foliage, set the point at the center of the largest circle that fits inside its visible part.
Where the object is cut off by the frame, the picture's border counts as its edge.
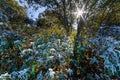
(108, 49)
(9, 39)
(44, 52)
(10, 43)
(50, 58)
(11, 10)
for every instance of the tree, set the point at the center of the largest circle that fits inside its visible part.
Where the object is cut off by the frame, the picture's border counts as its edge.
(11, 11)
(61, 9)
(97, 12)
(93, 18)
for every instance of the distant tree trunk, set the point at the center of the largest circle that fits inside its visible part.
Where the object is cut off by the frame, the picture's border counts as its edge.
(65, 19)
(68, 30)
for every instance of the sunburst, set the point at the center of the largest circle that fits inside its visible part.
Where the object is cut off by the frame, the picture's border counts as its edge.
(79, 12)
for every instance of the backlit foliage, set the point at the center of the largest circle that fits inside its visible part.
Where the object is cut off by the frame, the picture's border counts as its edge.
(51, 49)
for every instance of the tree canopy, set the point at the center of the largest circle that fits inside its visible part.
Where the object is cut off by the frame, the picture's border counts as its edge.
(12, 11)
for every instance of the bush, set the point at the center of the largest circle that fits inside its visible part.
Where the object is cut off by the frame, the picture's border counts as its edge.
(10, 43)
(49, 59)
(109, 49)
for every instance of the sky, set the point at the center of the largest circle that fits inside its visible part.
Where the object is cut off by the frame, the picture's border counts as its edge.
(31, 12)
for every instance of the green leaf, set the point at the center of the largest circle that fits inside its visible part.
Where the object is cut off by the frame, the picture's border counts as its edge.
(33, 69)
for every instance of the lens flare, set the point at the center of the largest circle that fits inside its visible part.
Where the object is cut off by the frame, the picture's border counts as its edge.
(79, 12)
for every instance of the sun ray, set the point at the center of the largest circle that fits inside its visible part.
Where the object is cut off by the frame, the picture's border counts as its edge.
(79, 13)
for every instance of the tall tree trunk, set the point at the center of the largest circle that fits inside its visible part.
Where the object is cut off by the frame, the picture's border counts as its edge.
(76, 44)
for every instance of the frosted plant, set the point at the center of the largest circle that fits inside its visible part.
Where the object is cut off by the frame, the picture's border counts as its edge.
(52, 51)
(59, 55)
(51, 57)
(64, 44)
(17, 42)
(108, 49)
(5, 76)
(32, 43)
(58, 41)
(22, 75)
(50, 74)
(40, 76)
(39, 46)
(70, 71)
(49, 44)
(3, 43)
(26, 52)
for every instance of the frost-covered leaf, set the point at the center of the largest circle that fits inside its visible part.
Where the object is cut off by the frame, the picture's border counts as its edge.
(5, 76)
(40, 76)
(93, 60)
(23, 74)
(70, 71)
(17, 43)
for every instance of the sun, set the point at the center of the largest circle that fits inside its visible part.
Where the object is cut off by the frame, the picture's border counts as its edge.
(79, 13)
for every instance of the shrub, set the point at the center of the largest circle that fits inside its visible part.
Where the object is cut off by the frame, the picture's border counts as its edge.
(108, 49)
(49, 59)
(10, 43)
